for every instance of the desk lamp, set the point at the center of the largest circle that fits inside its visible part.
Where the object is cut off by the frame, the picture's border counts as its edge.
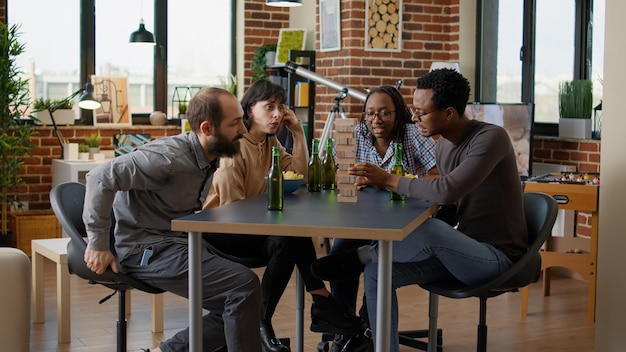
(86, 101)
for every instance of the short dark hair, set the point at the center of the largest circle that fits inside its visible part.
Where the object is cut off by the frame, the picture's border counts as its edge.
(260, 90)
(403, 115)
(450, 88)
(206, 106)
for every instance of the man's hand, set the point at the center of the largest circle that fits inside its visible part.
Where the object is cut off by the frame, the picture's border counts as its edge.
(372, 175)
(99, 261)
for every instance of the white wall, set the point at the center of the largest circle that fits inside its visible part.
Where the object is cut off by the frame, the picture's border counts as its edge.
(611, 305)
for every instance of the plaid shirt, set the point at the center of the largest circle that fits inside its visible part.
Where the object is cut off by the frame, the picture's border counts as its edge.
(418, 152)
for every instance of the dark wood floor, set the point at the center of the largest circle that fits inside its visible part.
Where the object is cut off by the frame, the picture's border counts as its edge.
(554, 323)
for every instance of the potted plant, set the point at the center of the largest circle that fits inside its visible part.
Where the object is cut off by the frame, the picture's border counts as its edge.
(83, 152)
(261, 59)
(15, 142)
(575, 108)
(182, 109)
(63, 115)
(93, 143)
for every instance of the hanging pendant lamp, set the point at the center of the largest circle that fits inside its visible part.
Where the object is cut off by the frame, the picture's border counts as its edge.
(283, 3)
(141, 35)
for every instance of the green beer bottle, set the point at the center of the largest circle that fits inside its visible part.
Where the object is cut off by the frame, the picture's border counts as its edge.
(329, 167)
(315, 169)
(275, 182)
(397, 168)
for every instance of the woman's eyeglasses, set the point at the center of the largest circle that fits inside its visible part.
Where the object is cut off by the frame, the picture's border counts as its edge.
(382, 115)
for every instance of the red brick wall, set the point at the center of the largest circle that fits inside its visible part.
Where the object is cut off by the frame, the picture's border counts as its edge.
(37, 173)
(584, 154)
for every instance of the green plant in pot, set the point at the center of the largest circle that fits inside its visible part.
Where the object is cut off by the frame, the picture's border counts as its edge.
(15, 138)
(259, 61)
(63, 114)
(93, 144)
(575, 109)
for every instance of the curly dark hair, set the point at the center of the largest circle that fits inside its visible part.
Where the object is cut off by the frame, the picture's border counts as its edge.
(260, 90)
(403, 114)
(450, 88)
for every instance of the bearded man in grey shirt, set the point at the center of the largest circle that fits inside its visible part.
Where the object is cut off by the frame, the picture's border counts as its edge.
(164, 180)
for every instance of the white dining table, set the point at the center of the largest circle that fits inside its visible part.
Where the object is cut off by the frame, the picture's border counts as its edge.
(374, 216)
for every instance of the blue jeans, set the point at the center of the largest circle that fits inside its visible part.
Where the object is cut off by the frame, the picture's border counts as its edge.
(434, 251)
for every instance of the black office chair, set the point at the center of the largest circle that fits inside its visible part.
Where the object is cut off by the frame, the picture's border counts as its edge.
(540, 210)
(67, 203)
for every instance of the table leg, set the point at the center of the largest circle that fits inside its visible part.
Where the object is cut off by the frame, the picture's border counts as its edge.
(39, 310)
(195, 291)
(383, 309)
(63, 303)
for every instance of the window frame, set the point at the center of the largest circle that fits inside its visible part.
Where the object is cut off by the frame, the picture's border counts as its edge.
(485, 86)
(160, 83)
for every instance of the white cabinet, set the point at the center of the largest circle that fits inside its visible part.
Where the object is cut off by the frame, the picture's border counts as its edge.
(71, 171)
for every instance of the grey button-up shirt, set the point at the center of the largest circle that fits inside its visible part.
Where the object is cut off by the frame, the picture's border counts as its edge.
(146, 188)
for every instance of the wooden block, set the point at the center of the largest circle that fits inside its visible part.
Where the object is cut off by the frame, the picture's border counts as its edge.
(348, 134)
(341, 140)
(340, 161)
(346, 199)
(347, 190)
(346, 122)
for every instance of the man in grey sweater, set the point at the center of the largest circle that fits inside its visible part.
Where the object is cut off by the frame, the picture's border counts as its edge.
(478, 180)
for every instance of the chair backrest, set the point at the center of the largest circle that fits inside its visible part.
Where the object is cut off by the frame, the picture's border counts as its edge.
(540, 211)
(67, 201)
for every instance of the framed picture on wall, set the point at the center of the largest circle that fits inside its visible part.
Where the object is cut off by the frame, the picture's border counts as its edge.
(112, 92)
(289, 39)
(330, 25)
(383, 25)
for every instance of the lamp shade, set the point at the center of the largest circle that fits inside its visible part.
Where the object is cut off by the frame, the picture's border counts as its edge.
(141, 35)
(283, 3)
(88, 100)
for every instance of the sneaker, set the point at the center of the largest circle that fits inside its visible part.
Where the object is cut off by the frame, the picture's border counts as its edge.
(338, 266)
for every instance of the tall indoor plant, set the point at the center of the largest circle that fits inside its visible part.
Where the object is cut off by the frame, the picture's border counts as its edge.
(14, 134)
(575, 108)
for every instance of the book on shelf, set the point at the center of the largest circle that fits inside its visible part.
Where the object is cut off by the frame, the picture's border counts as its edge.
(302, 94)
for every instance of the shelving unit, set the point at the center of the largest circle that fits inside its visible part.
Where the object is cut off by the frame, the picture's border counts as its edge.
(306, 59)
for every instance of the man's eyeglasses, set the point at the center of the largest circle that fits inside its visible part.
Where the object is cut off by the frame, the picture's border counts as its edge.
(382, 115)
(419, 114)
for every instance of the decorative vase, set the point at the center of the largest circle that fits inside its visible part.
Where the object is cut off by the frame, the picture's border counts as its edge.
(92, 151)
(158, 118)
(575, 128)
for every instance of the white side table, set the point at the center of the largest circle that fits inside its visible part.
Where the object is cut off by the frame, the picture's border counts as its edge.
(71, 171)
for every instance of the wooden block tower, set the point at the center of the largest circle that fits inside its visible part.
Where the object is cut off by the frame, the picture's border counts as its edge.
(345, 145)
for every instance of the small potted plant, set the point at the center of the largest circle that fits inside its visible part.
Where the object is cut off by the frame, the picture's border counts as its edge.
(93, 142)
(261, 59)
(182, 110)
(575, 108)
(83, 152)
(63, 115)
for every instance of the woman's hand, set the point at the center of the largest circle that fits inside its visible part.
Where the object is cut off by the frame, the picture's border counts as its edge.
(290, 120)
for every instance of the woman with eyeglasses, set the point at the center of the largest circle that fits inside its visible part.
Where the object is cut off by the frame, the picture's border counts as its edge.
(385, 121)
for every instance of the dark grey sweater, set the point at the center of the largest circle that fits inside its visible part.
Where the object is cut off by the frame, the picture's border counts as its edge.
(479, 175)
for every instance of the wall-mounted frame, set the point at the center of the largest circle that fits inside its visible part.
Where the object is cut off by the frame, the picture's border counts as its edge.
(383, 25)
(112, 92)
(289, 39)
(330, 25)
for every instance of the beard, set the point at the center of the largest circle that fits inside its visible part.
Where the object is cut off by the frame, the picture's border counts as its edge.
(222, 146)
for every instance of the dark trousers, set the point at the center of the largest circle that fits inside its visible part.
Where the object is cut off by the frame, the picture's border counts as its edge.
(280, 253)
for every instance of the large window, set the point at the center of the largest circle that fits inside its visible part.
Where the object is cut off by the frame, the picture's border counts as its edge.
(194, 46)
(539, 44)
